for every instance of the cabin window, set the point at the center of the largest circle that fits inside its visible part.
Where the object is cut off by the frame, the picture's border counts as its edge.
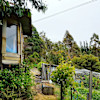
(11, 38)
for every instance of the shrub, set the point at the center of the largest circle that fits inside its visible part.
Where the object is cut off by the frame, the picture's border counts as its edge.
(63, 75)
(15, 83)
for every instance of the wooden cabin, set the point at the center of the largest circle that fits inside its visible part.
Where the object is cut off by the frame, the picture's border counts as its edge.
(12, 31)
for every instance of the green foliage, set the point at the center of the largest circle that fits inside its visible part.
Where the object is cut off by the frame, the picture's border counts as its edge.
(84, 91)
(17, 5)
(63, 74)
(81, 93)
(15, 82)
(54, 57)
(89, 62)
(34, 58)
(95, 82)
(34, 47)
(39, 65)
(73, 49)
(48, 51)
(85, 80)
(96, 95)
(68, 39)
(95, 44)
(85, 48)
(93, 48)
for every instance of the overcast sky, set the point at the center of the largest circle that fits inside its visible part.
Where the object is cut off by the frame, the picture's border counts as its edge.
(81, 22)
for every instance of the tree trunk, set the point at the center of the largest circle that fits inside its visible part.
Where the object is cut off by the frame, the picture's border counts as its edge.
(90, 86)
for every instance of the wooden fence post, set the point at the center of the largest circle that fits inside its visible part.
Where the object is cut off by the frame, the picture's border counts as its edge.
(1, 23)
(71, 93)
(62, 92)
(90, 86)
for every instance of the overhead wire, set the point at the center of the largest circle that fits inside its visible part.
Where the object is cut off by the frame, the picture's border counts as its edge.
(66, 10)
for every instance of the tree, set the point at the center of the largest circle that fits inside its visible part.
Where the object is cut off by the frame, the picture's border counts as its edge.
(95, 45)
(86, 61)
(85, 48)
(89, 62)
(34, 46)
(19, 7)
(73, 49)
(47, 41)
(68, 40)
(63, 75)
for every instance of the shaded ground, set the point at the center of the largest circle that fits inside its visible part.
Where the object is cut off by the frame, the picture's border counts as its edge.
(40, 96)
(38, 87)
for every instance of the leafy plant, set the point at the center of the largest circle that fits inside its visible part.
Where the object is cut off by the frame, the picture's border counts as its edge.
(15, 82)
(63, 75)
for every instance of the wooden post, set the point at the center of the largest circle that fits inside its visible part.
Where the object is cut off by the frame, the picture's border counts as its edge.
(1, 41)
(90, 86)
(20, 44)
(62, 98)
(61, 90)
(71, 93)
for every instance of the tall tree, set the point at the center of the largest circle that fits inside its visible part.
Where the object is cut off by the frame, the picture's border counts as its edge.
(85, 48)
(69, 42)
(75, 49)
(68, 39)
(95, 44)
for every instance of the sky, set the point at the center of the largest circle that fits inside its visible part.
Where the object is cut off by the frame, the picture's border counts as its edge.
(81, 22)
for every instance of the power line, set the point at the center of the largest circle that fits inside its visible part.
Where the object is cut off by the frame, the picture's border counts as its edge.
(66, 10)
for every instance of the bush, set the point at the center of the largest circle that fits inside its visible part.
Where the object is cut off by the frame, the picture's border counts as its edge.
(39, 65)
(63, 75)
(15, 83)
(95, 95)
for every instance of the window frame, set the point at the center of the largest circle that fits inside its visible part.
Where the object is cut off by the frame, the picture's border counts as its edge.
(8, 57)
(9, 54)
(16, 38)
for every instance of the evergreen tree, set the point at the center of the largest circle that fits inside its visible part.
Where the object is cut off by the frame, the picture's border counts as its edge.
(95, 45)
(85, 48)
(73, 49)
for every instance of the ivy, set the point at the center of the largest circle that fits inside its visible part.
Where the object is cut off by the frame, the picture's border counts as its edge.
(19, 7)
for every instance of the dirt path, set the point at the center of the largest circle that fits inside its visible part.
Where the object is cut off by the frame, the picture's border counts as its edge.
(44, 97)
